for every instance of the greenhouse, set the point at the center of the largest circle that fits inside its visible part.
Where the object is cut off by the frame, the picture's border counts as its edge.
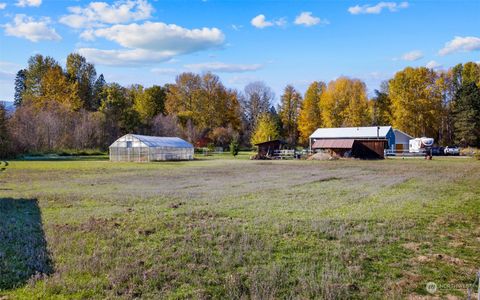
(142, 148)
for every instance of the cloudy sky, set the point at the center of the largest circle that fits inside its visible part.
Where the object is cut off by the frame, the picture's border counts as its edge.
(279, 42)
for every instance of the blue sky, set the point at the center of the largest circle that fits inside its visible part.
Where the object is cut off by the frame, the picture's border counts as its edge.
(278, 42)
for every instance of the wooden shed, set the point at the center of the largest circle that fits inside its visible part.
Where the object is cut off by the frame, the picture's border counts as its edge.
(268, 148)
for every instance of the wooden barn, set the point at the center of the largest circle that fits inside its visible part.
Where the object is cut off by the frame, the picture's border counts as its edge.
(359, 142)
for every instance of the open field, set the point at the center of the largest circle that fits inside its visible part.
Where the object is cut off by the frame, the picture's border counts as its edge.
(224, 228)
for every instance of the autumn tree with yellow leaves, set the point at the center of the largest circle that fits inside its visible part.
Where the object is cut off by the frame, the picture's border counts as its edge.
(310, 118)
(344, 103)
(416, 101)
(266, 129)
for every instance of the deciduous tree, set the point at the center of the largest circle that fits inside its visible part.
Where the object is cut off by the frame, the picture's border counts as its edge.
(266, 129)
(257, 101)
(310, 117)
(345, 103)
(416, 102)
(38, 66)
(82, 73)
(56, 90)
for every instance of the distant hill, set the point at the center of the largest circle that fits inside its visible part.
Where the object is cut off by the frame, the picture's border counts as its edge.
(9, 106)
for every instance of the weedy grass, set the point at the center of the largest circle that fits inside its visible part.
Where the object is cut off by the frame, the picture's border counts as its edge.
(232, 228)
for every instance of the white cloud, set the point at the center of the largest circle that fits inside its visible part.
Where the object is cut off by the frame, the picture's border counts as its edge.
(7, 76)
(165, 71)
(261, 22)
(97, 13)
(31, 29)
(24, 3)
(157, 36)
(3, 5)
(124, 57)
(433, 65)
(306, 18)
(223, 67)
(237, 27)
(88, 35)
(150, 42)
(376, 9)
(412, 55)
(461, 44)
(280, 22)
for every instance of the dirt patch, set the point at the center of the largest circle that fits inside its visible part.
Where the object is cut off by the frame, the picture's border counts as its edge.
(321, 156)
(439, 257)
(412, 246)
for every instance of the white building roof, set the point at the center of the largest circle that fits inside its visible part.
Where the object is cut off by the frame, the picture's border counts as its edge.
(152, 141)
(350, 132)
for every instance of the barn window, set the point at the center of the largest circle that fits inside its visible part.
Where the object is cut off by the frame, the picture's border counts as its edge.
(129, 144)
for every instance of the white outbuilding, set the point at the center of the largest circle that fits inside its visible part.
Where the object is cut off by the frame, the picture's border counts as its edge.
(142, 148)
(402, 140)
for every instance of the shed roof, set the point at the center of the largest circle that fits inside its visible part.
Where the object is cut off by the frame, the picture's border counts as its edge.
(270, 142)
(351, 132)
(157, 141)
(334, 144)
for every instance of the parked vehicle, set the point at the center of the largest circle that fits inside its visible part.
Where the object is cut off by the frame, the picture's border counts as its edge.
(451, 150)
(420, 145)
(438, 151)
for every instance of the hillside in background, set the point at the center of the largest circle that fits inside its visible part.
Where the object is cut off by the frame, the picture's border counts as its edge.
(9, 106)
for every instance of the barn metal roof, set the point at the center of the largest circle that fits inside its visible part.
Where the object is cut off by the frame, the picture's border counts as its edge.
(334, 144)
(350, 132)
(157, 141)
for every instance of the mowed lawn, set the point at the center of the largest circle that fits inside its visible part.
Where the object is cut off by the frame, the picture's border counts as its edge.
(225, 228)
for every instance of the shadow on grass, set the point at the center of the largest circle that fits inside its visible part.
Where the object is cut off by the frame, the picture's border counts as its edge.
(55, 157)
(23, 248)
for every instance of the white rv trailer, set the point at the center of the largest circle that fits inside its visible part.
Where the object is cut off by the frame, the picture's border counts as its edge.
(420, 145)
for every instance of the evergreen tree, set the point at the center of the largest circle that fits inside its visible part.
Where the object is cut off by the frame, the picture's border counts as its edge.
(20, 87)
(382, 113)
(289, 109)
(100, 83)
(466, 110)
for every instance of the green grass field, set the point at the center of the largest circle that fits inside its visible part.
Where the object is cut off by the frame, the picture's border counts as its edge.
(225, 228)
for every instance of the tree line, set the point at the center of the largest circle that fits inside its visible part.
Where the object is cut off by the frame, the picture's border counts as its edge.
(73, 108)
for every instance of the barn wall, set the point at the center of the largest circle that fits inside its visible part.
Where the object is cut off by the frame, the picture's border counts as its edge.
(369, 148)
